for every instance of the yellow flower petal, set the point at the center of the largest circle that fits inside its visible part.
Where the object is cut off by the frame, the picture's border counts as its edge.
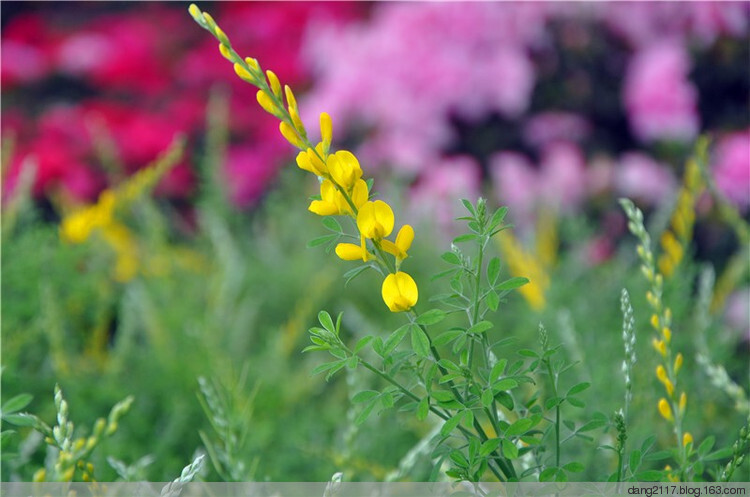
(291, 135)
(274, 83)
(687, 438)
(350, 252)
(344, 168)
(323, 208)
(404, 238)
(326, 130)
(665, 410)
(242, 73)
(375, 219)
(399, 292)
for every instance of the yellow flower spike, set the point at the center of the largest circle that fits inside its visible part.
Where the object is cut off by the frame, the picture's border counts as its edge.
(290, 100)
(687, 438)
(253, 63)
(399, 292)
(655, 321)
(344, 168)
(403, 242)
(375, 220)
(326, 131)
(683, 403)
(225, 52)
(665, 410)
(243, 74)
(273, 81)
(291, 135)
(327, 205)
(678, 363)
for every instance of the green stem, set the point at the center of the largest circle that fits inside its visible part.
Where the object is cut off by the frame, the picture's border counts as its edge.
(553, 380)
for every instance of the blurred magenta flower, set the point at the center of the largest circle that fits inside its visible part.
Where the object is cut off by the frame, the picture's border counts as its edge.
(639, 176)
(731, 167)
(548, 127)
(660, 100)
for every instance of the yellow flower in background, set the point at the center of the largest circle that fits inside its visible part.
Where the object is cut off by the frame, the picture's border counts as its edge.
(375, 220)
(78, 226)
(665, 410)
(403, 243)
(526, 264)
(399, 292)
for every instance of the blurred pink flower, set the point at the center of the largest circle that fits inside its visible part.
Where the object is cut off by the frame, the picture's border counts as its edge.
(249, 169)
(731, 168)
(559, 182)
(471, 58)
(435, 197)
(640, 177)
(659, 99)
(547, 127)
(737, 314)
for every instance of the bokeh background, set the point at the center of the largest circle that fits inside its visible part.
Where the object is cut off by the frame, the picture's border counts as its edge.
(553, 109)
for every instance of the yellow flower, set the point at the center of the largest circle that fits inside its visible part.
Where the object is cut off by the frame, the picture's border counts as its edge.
(77, 227)
(352, 252)
(332, 201)
(660, 346)
(375, 220)
(344, 168)
(665, 410)
(683, 403)
(678, 363)
(687, 438)
(309, 160)
(403, 243)
(399, 292)
(326, 130)
(661, 373)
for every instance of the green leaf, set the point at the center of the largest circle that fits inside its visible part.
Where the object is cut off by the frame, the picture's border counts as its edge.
(16, 403)
(448, 336)
(651, 475)
(552, 402)
(574, 467)
(578, 388)
(480, 327)
(433, 316)
(364, 396)
(510, 450)
(512, 283)
(353, 273)
(326, 321)
(362, 343)
(365, 413)
(548, 474)
(335, 369)
(658, 456)
(528, 353)
(441, 395)
(519, 427)
(451, 258)
(321, 240)
(22, 419)
(505, 400)
(592, 425)
(489, 447)
(498, 217)
(423, 409)
(469, 207)
(487, 398)
(493, 300)
(635, 460)
(451, 424)
(352, 362)
(448, 364)
(719, 454)
(419, 341)
(576, 402)
(505, 384)
(395, 339)
(326, 366)
(465, 238)
(332, 224)
(706, 445)
(493, 270)
(498, 369)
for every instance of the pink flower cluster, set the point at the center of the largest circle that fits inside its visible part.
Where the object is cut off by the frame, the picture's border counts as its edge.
(404, 75)
(138, 77)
